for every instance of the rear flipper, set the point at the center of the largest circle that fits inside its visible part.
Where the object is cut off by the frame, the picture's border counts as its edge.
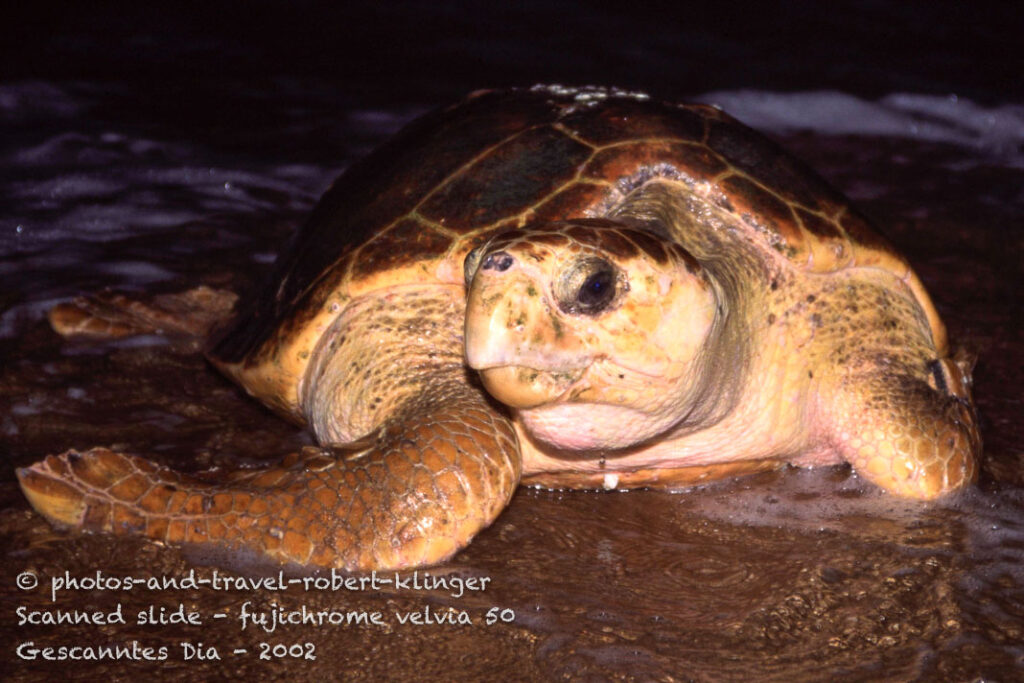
(192, 313)
(915, 437)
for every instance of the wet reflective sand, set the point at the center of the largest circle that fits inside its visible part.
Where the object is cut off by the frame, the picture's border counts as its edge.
(795, 575)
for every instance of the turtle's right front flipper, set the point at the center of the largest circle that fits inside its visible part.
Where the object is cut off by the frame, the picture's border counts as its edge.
(414, 497)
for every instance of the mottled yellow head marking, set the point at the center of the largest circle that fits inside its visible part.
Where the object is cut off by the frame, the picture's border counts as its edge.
(590, 329)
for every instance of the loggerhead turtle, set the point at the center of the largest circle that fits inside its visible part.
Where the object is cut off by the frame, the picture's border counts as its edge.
(655, 293)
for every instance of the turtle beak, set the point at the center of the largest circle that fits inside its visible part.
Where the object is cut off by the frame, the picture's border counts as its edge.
(525, 354)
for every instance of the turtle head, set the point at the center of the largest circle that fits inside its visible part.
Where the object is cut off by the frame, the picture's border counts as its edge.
(591, 329)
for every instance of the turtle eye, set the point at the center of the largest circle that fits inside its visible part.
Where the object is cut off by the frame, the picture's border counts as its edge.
(590, 286)
(597, 291)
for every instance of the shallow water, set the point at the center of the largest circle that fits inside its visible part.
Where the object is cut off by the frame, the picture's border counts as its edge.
(792, 575)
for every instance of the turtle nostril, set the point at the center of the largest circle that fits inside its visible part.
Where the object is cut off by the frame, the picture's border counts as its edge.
(499, 260)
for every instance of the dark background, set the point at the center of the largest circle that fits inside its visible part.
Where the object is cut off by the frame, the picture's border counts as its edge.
(437, 48)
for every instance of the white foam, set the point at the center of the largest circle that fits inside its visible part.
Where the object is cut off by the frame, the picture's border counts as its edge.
(8, 427)
(381, 122)
(139, 272)
(806, 499)
(996, 131)
(101, 347)
(77, 393)
(17, 318)
(123, 199)
(30, 100)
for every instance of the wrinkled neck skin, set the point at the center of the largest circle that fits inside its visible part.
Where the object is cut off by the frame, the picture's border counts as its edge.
(388, 353)
(720, 373)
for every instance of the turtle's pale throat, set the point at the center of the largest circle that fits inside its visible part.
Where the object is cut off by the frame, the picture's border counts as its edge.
(523, 388)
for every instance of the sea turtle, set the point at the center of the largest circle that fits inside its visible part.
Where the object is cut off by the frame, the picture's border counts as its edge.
(567, 287)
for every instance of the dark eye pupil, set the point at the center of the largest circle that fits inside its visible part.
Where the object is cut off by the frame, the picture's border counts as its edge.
(597, 291)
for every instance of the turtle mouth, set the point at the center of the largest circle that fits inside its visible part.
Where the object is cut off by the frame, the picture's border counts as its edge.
(522, 387)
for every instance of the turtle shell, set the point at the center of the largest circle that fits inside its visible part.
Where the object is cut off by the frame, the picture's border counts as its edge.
(412, 210)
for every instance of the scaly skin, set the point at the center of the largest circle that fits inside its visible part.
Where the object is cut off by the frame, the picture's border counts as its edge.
(902, 416)
(437, 467)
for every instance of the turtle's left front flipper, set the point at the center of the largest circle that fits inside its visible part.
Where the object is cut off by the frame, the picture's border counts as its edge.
(413, 496)
(910, 430)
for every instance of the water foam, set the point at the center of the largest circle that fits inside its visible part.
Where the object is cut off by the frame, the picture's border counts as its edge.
(997, 132)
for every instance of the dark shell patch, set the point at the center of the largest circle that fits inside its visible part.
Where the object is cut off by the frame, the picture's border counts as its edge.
(760, 158)
(573, 201)
(508, 179)
(407, 242)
